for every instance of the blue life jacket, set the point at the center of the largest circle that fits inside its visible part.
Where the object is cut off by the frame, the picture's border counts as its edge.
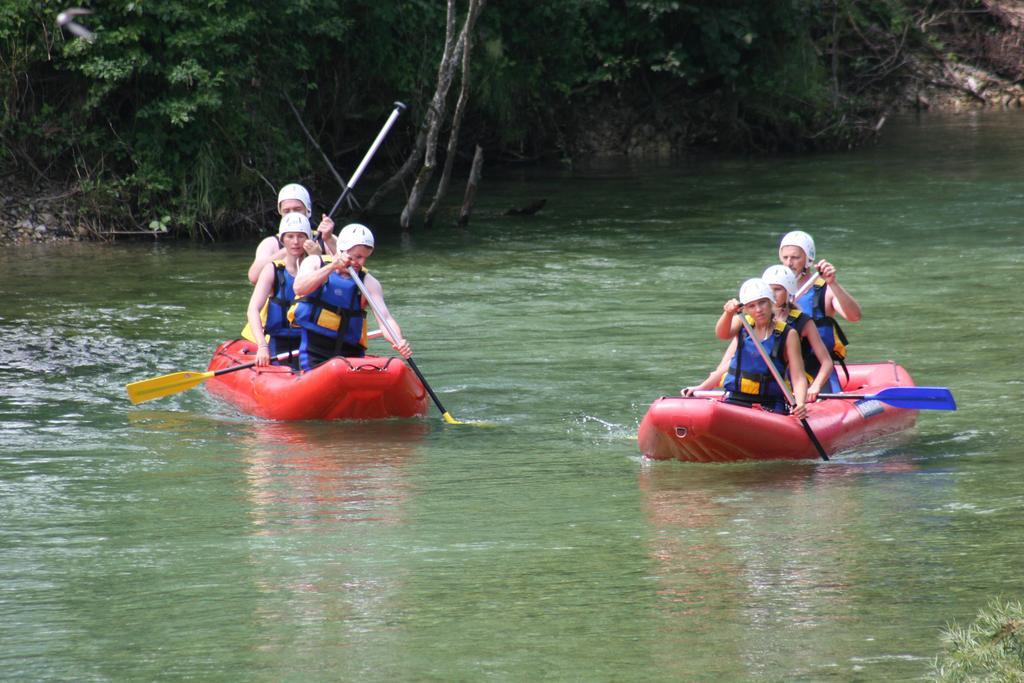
(749, 378)
(335, 310)
(276, 323)
(799, 320)
(813, 302)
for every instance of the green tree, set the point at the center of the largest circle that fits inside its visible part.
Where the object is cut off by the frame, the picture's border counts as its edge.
(989, 649)
(182, 109)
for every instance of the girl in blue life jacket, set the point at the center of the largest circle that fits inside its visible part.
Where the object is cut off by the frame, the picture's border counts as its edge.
(824, 298)
(817, 360)
(743, 373)
(293, 198)
(273, 294)
(331, 311)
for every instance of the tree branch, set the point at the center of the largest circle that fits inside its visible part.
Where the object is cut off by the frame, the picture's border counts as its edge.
(475, 6)
(352, 203)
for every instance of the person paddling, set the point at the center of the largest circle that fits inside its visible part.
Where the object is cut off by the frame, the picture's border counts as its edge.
(823, 298)
(743, 373)
(331, 311)
(817, 360)
(274, 291)
(293, 198)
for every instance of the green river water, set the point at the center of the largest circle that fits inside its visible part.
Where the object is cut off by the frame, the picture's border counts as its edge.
(179, 539)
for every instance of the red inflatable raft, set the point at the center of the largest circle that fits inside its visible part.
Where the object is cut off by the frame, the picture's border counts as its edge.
(367, 388)
(708, 430)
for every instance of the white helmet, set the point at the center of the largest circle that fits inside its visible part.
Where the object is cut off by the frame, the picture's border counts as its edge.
(295, 222)
(354, 234)
(780, 275)
(799, 238)
(295, 191)
(755, 289)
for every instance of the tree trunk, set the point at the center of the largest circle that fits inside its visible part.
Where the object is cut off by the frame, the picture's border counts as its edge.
(421, 136)
(436, 113)
(460, 109)
(474, 180)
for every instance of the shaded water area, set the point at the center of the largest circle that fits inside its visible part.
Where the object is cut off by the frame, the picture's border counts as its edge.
(181, 539)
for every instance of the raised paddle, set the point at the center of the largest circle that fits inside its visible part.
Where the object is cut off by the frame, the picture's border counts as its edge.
(782, 385)
(908, 398)
(165, 385)
(807, 285)
(391, 333)
(399, 108)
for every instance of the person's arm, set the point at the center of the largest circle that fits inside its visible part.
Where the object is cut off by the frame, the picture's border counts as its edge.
(326, 233)
(837, 299)
(728, 326)
(810, 333)
(795, 363)
(266, 252)
(716, 375)
(384, 317)
(313, 273)
(260, 293)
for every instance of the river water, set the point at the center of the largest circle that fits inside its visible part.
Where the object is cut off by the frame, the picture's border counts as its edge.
(181, 539)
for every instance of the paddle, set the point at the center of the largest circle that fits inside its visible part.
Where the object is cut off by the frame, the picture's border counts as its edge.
(399, 108)
(782, 384)
(807, 285)
(165, 385)
(909, 398)
(391, 333)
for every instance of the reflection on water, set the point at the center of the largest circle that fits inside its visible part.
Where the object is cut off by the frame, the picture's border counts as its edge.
(767, 562)
(321, 500)
(311, 474)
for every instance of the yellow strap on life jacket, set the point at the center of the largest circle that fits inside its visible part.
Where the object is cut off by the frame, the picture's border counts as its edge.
(839, 348)
(749, 386)
(328, 319)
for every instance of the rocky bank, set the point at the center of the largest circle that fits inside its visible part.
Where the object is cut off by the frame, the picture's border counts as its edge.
(40, 214)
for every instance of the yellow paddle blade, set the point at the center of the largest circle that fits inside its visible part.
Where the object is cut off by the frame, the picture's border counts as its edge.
(165, 385)
(476, 423)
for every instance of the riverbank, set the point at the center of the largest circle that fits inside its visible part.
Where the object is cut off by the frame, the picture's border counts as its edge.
(54, 214)
(969, 63)
(41, 214)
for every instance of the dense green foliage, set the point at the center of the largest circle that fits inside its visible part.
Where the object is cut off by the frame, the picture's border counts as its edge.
(182, 108)
(989, 649)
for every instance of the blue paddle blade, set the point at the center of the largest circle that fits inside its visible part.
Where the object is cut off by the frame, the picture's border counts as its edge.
(917, 398)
